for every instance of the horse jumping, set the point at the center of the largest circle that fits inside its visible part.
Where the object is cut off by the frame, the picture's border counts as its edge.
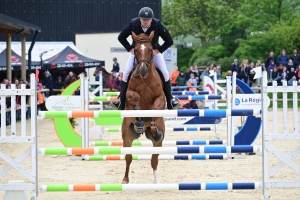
(144, 92)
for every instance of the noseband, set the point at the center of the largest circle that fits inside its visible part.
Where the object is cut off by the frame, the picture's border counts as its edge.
(147, 62)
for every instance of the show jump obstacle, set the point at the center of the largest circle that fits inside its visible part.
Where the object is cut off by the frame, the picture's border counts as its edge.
(16, 189)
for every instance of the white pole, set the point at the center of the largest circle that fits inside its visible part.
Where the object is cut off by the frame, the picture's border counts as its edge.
(101, 88)
(82, 91)
(228, 102)
(86, 107)
(232, 107)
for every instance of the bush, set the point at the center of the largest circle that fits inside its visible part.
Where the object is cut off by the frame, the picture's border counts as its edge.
(225, 63)
(183, 57)
(203, 61)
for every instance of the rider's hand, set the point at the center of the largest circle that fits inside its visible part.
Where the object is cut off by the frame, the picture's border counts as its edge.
(155, 51)
(132, 51)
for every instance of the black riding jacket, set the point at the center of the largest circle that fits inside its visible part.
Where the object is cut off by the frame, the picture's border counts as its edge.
(159, 31)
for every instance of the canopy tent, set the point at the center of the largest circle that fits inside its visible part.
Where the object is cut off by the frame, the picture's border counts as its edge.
(68, 58)
(16, 62)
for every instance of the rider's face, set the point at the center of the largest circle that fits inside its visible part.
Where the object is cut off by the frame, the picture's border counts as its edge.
(146, 23)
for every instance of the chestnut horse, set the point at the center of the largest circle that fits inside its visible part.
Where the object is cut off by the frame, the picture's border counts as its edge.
(144, 92)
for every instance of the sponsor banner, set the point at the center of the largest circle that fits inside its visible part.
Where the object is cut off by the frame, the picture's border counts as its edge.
(63, 103)
(177, 120)
(248, 101)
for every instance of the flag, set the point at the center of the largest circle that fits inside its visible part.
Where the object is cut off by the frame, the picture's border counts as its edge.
(37, 75)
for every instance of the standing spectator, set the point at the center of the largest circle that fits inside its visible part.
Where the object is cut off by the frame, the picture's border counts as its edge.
(113, 82)
(198, 74)
(116, 66)
(188, 74)
(283, 58)
(174, 75)
(295, 58)
(69, 79)
(242, 73)
(235, 67)
(180, 80)
(58, 84)
(262, 69)
(269, 58)
(47, 81)
(192, 80)
(251, 74)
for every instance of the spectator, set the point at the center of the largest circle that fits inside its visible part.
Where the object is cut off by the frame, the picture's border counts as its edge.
(291, 76)
(242, 72)
(192, 80)
(235, 67)
(229, 73)
(180, 80)
(116, 66)
(284, 74)
(283, 58)
(290, 65)
(58, 84)
(174, 75)
(198, 74)
(274, 75)
(298, 77)
(113, 82)
(251, 74)
(188, 74)
(119, 79)
(295, 58)
(280, 69)
(271, 67)
(262, 69)
(269, 59)
(69, 79)
(47, 81)
(205, 73)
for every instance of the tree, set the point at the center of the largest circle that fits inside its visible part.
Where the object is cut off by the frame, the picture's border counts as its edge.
(199, 18)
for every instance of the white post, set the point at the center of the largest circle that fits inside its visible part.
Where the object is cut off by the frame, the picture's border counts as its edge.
(82, 94)
(3, 113)
(233, 95)
(86, 107)
(229, 107)
(13, 112)
(101, 88)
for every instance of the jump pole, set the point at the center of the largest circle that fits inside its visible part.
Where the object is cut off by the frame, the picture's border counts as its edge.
(150, 150)
(173, 93)
(150, 113)
(165, 142)
(144, 187)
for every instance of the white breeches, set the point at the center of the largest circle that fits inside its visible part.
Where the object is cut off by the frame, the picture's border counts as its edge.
(158, 62)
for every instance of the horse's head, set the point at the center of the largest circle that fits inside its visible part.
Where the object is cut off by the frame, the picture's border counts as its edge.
(143, 53)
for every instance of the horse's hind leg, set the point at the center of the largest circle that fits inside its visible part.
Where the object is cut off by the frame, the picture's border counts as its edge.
(154, 161)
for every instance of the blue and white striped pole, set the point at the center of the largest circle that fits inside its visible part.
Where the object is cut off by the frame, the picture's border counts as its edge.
(201, 98)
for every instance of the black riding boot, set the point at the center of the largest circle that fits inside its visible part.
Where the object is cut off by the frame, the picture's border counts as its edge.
(122, 97)
(168, 92)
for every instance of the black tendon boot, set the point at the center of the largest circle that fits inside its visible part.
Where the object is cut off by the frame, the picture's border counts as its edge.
(122, 97)
(168, 92)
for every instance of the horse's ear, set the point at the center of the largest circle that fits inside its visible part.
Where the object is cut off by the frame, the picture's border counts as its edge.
(134, 36)
(151, 35)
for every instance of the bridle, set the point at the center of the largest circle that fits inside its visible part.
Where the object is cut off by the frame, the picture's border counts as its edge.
(147, 62)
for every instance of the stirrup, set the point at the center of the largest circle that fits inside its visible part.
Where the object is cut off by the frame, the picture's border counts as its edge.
(115, 105)
(173, 104)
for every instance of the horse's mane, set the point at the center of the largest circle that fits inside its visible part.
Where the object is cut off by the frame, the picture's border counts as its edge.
(143, 36)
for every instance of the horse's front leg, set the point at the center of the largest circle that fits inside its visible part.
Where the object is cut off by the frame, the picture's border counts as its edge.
(133, 103)
(157, 124)
(127, 137)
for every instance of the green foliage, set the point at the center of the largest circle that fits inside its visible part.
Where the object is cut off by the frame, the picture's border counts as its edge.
(229, 29)
(183, 57)
(73, 122)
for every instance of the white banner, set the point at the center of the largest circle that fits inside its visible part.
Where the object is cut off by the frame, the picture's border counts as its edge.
(248, 101)
(63, 103)
(208, 85)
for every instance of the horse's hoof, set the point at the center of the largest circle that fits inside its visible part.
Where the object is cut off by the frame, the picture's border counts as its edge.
(125, 181)
(158, 137)
(139, 126)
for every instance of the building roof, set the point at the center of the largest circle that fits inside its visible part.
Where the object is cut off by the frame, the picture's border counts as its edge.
(9, 25)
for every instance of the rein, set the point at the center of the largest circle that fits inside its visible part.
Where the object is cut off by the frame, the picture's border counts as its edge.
(147, 62)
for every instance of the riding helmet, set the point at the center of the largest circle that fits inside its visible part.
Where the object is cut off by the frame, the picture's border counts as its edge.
(146, 13)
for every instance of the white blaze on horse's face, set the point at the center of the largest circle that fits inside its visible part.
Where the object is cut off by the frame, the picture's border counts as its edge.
(143, 47)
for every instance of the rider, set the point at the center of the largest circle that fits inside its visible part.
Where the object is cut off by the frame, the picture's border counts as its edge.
(145, 23)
